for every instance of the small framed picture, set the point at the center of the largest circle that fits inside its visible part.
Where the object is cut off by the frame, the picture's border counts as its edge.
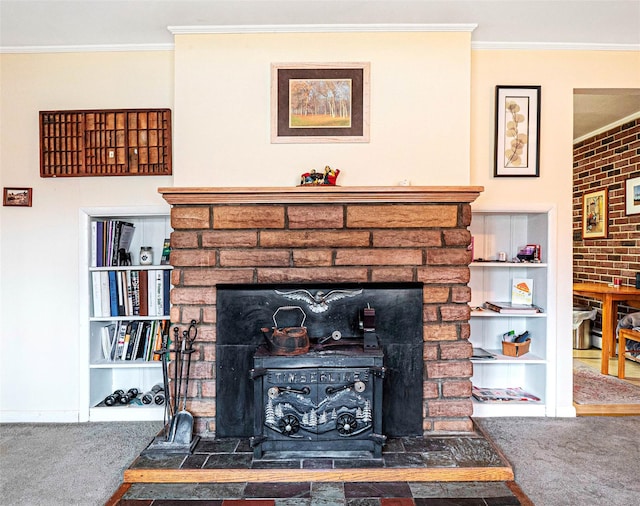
(595, 217)
(632, 196)
(19, 197)
(517, 137)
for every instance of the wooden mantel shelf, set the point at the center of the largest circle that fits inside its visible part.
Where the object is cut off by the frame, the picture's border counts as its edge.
(321, 194)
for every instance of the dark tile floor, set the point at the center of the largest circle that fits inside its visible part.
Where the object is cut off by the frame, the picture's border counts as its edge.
(407, 452)
(433, 452)
(321, 494)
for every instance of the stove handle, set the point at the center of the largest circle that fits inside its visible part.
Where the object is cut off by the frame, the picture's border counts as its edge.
(279, 390)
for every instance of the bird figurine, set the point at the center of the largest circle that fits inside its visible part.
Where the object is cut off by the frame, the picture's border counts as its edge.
(319, 302)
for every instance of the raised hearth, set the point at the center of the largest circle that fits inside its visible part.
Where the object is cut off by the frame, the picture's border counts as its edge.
(329, 235)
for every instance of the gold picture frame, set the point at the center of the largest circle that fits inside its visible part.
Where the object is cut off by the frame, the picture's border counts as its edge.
(595, 214)
(319, 102)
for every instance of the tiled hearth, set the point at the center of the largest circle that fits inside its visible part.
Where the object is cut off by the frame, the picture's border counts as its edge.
(464, 470)
(329, 236)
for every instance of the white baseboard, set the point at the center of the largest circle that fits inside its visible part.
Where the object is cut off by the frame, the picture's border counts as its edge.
(39, 417)
(566, 412)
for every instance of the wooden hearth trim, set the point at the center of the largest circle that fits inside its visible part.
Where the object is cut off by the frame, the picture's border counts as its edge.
(321, 194)
(413, 474)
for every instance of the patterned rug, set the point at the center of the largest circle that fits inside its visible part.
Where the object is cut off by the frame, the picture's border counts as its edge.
(591, 387)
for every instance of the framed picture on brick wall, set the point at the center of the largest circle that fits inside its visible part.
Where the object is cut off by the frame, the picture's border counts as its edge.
(595, 214)
(632, 196)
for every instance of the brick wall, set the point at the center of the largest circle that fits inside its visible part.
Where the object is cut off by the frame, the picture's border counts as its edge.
(607, 160)
(331, 243)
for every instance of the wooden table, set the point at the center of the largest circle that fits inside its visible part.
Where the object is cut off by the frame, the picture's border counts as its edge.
(610, 296)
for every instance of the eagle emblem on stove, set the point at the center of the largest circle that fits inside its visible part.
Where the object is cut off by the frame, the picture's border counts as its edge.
(319, 302)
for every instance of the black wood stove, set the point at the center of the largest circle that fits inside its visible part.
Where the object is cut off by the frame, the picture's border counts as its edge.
(327, 398)
(319, 401)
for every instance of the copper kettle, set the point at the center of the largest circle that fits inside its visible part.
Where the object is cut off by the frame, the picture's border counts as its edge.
(287, 340)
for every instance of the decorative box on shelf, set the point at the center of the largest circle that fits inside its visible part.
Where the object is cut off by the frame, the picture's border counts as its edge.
(515, 349)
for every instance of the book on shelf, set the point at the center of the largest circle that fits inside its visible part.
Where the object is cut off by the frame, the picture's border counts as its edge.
(516, 394)
(510, 308)
(108, 237)
(166, 252)
(481, 354)
(522, 291)
(108, 337)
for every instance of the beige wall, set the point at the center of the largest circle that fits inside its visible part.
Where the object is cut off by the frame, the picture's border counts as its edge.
(420, 91)
(39, 259)
(558, 72)
(432, 122)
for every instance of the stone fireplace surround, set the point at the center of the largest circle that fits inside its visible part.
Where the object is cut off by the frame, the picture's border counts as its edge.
(329, 235)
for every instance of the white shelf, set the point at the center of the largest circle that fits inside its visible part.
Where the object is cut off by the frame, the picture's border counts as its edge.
(528, 358)
(125, 364)
(126, 318)
(510, 265)
(508, 231)
(133, 268)
(101, 377)
(512, 408)
(488, 313)
(129, 413)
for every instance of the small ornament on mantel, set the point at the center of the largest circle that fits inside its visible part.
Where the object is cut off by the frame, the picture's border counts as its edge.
(315, 178)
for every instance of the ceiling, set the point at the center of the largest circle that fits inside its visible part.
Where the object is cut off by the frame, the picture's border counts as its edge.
(50, 25)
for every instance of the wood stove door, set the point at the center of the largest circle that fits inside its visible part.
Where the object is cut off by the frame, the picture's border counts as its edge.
(317, 404)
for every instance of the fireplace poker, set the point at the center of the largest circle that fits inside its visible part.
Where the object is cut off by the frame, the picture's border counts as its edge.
(177, 376)
(163, 352)
(184, 419)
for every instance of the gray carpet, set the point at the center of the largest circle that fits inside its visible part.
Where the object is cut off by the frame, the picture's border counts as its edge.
(584, 461)
(68, 464)
(589, 461)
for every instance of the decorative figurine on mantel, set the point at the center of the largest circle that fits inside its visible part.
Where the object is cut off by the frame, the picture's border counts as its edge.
(314, 178)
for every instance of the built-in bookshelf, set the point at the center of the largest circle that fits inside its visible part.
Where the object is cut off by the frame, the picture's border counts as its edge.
(492, 279)
(126, 310)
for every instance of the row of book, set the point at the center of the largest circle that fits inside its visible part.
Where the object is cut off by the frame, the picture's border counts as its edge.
(131, 292)
(133, 340)
(109, 238)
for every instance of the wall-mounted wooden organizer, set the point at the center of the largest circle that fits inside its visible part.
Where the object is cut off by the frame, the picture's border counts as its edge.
(111, 142)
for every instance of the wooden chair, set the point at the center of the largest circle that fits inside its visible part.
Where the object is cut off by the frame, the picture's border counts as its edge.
(623, 335)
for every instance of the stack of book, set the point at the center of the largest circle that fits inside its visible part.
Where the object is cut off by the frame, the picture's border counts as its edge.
(503, 395)
(511, 308)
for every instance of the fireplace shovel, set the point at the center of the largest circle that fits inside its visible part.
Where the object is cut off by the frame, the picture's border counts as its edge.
(183, 421)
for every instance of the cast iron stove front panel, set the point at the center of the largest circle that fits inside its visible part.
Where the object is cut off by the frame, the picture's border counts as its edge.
(319, 401)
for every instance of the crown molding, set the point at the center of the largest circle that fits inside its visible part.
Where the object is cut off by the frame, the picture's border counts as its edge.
(553, 46)
(603, 129)
(323, 28)
(89, 48)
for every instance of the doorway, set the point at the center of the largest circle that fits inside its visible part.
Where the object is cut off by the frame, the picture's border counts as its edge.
(606, 125)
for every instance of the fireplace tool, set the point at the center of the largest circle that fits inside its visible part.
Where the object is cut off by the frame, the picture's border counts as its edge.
(183, 420)
(178, 432)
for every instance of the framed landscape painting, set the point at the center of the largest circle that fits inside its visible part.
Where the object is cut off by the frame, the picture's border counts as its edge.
(320, 102)
(18, 197)
(517, 137)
